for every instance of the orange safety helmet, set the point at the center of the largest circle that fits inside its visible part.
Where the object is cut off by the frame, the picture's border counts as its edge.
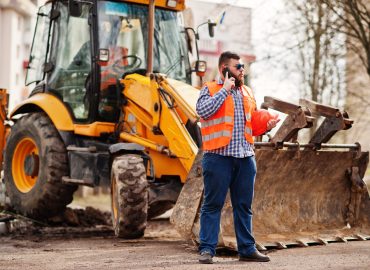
(260, 119)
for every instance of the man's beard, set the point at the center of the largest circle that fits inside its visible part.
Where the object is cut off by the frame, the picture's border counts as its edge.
(238, 83)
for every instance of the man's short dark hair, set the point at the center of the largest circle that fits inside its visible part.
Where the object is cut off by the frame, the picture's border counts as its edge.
(226, 56)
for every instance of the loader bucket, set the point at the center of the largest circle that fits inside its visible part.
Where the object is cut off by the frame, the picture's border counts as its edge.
(305, 194)
(304, 197)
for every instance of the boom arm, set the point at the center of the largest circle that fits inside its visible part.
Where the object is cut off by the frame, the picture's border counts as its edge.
(155, 116)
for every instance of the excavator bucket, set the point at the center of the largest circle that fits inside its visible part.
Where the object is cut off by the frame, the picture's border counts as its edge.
(305, 193)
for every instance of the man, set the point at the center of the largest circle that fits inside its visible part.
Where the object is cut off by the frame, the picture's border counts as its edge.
(226, 108)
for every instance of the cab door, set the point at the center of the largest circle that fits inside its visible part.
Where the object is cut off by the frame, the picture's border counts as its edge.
(69, 77)
(39, 50)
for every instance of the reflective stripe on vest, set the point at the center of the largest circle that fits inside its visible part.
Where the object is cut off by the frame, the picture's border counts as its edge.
(248, 130)
(215, 135)
(220, 120)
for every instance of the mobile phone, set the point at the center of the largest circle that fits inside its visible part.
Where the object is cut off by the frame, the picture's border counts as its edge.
(231, 75)
(226, 69)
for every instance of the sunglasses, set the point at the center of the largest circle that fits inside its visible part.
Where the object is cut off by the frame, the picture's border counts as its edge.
(239, 66)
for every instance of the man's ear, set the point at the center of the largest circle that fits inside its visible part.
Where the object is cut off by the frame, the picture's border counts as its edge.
(221, 68)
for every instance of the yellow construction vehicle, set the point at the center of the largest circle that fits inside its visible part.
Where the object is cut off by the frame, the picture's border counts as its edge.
(113, 105)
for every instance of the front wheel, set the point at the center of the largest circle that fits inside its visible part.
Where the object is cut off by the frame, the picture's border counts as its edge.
(129, 189)
(34, 163)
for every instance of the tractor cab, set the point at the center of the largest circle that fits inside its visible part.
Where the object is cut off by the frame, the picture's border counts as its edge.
(81, 50)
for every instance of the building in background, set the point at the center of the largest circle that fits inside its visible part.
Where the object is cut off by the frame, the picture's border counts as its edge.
(17, 20)
(233, 34)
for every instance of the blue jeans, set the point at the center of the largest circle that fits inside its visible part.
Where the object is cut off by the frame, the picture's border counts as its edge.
(219, 174)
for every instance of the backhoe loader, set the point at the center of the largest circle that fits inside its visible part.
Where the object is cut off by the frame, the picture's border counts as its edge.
(113, 105)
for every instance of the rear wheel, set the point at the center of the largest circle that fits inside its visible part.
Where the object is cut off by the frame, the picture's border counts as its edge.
(129, 189)
(35, 161)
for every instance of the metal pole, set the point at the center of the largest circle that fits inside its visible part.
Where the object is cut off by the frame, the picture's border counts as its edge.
(309, 145)
(150, 37)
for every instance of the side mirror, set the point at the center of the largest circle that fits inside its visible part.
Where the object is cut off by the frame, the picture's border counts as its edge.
(211, 28)
(200, 67)
(74, 8)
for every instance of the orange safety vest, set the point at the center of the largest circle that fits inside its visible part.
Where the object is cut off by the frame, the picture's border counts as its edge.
(217, 130)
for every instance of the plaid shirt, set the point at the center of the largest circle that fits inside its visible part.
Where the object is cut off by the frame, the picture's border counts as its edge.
(208, 105)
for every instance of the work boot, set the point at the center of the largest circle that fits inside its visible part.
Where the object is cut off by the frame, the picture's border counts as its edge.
(205, 257)
(254, 257)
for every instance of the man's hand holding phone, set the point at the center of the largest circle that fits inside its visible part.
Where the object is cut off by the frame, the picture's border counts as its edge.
(229, 83)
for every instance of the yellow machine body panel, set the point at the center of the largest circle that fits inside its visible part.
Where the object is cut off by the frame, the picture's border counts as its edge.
(137, 87)
(52, 106)
(177, 5)
(59, 115)
(165, 165)
(153, 121)
(93, 130)
(186, 94)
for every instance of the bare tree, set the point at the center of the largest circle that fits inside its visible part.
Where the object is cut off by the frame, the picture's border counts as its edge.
(324, 36)
(354, 21)
(320, 51)
(319, 55)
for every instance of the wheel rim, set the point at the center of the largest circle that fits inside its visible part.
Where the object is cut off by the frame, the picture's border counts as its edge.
(114, 200)
(23, 180)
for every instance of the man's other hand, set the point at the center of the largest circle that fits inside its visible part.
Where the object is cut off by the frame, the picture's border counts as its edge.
(272, 123)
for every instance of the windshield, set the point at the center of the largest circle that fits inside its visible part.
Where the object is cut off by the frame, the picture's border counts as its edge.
(123, 32)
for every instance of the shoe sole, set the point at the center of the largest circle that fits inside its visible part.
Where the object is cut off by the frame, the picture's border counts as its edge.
(206, 261)
(253, 260)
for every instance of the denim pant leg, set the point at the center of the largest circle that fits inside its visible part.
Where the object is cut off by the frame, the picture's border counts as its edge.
(217, 172)
(241, 192)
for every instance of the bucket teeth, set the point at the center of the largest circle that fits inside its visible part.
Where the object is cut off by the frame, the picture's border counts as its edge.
(260, 247)
(340, 239)
(322, 241)
(305, 242)
(302, 243)
(280, 245)
(361, 237)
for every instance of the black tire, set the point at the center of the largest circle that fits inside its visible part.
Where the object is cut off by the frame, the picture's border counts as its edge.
(36, 190)
(129, 189)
